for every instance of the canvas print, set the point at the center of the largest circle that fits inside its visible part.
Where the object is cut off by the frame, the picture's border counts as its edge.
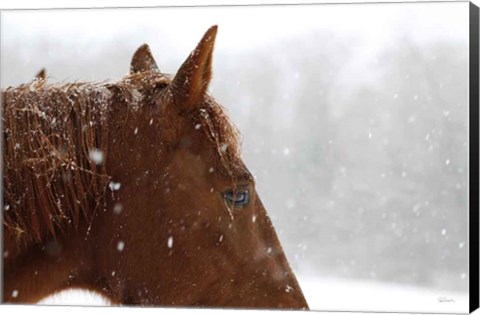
(307, 157)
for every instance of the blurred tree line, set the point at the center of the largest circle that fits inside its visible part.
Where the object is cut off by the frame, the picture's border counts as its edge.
(363, 178)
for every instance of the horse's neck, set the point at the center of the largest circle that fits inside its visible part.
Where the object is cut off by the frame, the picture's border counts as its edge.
(34, 271)
(37, 267)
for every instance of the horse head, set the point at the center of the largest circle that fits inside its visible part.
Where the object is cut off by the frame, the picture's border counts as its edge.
(182, 223)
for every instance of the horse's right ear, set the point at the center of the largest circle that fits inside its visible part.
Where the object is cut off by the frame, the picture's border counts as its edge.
(190, 84)
(142, 60)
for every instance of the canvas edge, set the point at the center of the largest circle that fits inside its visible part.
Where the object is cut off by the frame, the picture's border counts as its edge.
(474, 120)
(1, 166)
(474, 157)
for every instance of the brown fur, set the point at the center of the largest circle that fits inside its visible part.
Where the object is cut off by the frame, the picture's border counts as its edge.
(149, 224)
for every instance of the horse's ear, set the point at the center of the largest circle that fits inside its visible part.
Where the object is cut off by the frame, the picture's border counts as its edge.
(191, 82)
(142, 60)
(41, 75)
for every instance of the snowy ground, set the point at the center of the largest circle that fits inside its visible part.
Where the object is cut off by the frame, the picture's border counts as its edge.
(333, 294)
(328, 294)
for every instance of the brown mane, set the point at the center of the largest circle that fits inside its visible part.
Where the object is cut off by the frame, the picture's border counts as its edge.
(222, 132)
(49, 133)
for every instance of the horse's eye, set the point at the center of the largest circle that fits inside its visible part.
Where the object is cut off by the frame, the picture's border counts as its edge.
(238, 198)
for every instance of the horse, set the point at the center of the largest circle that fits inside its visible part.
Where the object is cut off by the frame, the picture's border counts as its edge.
(136, 190)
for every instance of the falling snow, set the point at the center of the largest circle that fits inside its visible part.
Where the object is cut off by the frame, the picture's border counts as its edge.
(114, 186)
(120, 246)
(224, 147)
(118, 208)
(96, 156)
(170, 242)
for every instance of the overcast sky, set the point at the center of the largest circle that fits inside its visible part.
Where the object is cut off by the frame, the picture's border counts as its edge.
(173, 32)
